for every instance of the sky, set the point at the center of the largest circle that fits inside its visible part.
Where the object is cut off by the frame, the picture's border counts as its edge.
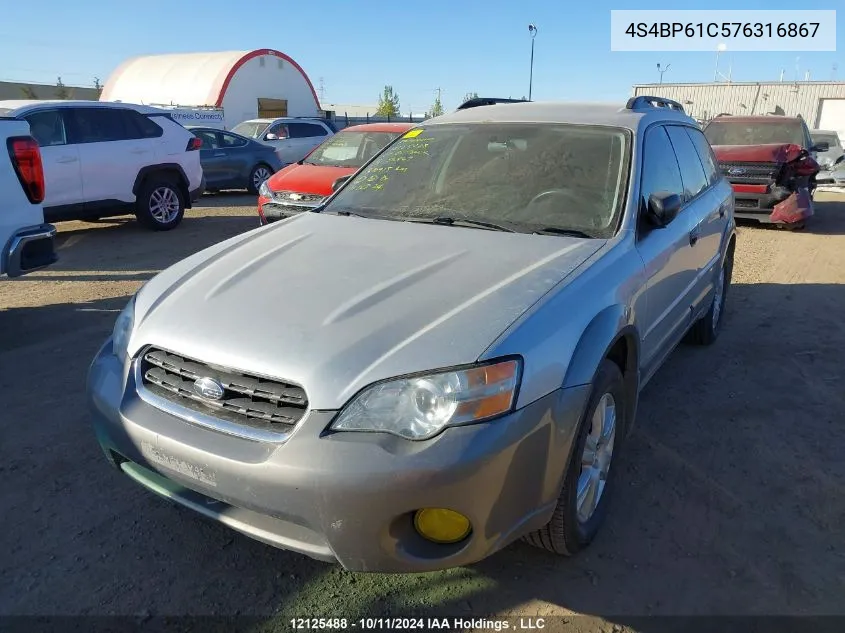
(354, 49)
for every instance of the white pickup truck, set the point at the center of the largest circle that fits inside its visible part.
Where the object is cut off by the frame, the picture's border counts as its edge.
(26, 242)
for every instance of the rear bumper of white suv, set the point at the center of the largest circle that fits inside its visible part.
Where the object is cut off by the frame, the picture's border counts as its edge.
(29, 249)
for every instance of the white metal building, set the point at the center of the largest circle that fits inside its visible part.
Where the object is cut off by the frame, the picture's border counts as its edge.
(821, 103)
(246, 84)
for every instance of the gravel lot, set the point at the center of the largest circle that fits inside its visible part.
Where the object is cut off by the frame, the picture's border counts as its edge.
(730, 503)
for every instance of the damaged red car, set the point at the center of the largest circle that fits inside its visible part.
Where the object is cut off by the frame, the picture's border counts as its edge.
(770, 162)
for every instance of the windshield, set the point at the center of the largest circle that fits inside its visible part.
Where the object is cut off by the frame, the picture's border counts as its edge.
(528, 177)
(754, 132)
(350, 149)
(250, 129)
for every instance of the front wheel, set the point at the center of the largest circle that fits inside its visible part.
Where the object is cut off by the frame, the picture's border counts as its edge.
(583, 501)
(160, 205)
(257, 176)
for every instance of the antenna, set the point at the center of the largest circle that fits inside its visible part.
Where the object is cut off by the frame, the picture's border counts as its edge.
(833, 70)
(322, 90)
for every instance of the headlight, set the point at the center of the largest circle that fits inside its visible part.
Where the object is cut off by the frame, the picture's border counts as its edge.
(123, 330)
(264, 190)
(419, 407)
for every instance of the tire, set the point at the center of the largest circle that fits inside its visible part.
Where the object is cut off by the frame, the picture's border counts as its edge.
(161, 204)
(259, 174)
(706, 330)
(569, 529)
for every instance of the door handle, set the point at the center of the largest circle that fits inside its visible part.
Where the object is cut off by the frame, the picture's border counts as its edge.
(694, 235)
(67, 159)
(138, 150)
(219, 154)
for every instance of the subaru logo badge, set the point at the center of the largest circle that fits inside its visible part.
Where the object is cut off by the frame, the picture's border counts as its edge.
(736, 171)
(208, 388)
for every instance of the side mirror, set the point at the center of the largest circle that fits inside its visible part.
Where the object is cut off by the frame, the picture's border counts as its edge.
(271, 137)
(820, 147)
(839, 160)
(663, 207)
(337, 184)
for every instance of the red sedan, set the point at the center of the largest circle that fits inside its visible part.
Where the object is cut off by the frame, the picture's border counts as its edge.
(302, 186)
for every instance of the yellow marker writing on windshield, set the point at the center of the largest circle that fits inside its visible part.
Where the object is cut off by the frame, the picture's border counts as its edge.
(412, 134)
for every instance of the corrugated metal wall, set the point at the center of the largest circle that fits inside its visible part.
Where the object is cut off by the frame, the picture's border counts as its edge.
(15, 90)
(704, 101)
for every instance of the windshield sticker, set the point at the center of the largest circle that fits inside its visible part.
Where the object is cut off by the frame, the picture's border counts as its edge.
(412, 134)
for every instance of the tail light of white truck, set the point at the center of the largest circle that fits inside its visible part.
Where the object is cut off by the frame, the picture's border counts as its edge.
(26, 160)
(194, 144)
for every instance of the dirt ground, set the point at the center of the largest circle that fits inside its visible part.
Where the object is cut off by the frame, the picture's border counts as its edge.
(731, 498)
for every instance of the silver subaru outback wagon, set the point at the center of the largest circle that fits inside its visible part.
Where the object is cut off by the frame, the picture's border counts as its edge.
(461, 332)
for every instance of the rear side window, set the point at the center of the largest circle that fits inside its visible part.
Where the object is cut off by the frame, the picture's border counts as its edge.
(705, 154)
(692, 173)
(47, 127)
(99, 125)
(143, 125)
(660, 167)
(209, 139)
(306, 130)
(230, 140)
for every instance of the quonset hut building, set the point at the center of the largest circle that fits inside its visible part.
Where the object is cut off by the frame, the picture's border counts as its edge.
(245, 84)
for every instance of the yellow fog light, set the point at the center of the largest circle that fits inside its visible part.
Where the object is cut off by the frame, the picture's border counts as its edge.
(441, 525)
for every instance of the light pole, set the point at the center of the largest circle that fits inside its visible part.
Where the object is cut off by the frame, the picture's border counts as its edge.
(661, 71)
(719, 50)
(532, 31)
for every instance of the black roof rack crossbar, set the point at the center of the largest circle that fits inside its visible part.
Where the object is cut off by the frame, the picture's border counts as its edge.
(484, 101)
(644, 101)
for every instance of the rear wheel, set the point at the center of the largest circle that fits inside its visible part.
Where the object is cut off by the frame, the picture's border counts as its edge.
(161, 204)
(583, 501)
(257, 176)
(706, 330)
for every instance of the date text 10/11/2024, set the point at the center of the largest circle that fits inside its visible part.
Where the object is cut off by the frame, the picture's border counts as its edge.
(418, 624)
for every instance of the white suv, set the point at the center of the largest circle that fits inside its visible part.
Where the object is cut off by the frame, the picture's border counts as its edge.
(107, 159)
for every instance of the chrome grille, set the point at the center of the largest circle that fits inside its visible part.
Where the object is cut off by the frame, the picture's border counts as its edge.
(251, 401)
(297, 198)
(750, 173)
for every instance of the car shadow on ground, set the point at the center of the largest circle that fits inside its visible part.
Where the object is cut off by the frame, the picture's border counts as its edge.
(729, 498)
(122, 247)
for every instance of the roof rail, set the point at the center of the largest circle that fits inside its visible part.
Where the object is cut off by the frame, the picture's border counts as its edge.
(644, 101)
(484, 101)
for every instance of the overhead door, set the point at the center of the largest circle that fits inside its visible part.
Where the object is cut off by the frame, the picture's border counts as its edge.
(272, 108)
(832, 116)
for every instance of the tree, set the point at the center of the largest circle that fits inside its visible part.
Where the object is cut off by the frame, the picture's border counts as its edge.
(388, 103)
(61, 90)
(437, 107)
(28, 92)
(470, 95)
(98, 86)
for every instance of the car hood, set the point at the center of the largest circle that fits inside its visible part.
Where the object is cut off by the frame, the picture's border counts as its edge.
(307, 178)
(335, 303)
(769, 153)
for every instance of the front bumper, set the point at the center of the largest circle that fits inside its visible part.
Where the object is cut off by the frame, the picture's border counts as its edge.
(29, 249)
(777, 205)
(346, 497)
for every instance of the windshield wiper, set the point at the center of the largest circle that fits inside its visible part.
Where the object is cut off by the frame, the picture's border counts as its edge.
(556, 230)
(448, 221)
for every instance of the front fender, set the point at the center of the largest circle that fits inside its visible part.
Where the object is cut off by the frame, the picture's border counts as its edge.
(595, 343)
(609, 335)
